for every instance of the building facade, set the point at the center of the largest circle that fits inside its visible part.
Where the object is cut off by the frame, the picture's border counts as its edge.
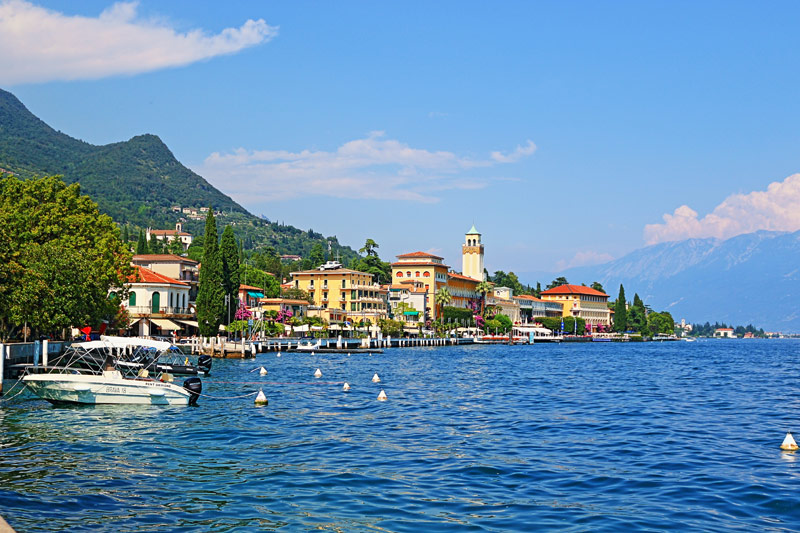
(158, 305)
(581, 302)
(168, 235)
(472, 256)
(426, 268)
(174, 267)
(531, 308)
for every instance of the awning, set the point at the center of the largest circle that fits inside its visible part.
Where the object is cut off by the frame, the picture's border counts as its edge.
(134, 322)
(304, 327)
(410, 312)
(192, 323)
(165, 324)
(254, 294)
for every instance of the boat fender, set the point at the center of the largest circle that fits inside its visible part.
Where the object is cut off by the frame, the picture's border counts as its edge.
(194, 386)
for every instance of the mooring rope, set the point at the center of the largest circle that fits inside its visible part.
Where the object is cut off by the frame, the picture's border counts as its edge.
(4, 399)
(228, 397)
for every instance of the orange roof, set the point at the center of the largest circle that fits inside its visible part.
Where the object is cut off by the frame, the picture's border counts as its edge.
(419, 254)
(573, 289)
(161, 258)
(145, 275)
(463, 277)
(244, 287)
(528, 297)
(412, 264)
(168, 232)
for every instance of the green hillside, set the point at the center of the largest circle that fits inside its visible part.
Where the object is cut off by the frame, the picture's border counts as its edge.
(136, 182)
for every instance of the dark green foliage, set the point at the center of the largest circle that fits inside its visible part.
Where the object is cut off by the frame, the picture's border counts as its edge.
(554, 323)
(155, 246)
(458, 315)
(660, 323)
(125, 236)
(620, 312)
(211, 293)
(501, 279)
(229, 262)
(596, 285)
(137, 182)
(538, 291)
(637, 317)
(317, 255)
(141, 245)
(250, 275)
(559, 281)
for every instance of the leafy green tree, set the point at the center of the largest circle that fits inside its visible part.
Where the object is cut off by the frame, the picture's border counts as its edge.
(501, 279)
(538, 291)
(317, 255)
(369, 248)
(637, 316)
(210, 291)
(141, 245)
(155, 245)
(620, 312)
(596, 285)
(175, 247)
(559, 281)
(483, 288)
(229, 262)
(59, 258)
(391, 327)
(441, 298)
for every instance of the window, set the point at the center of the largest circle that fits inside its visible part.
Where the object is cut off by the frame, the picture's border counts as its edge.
(344, 283)
(408, 274)
(426, 274)
(132, 299)
(399, 274)
(416, 274)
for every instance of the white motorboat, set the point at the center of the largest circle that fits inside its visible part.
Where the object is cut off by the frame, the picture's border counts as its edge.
(99, 374)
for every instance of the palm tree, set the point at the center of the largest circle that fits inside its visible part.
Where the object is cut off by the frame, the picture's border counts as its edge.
(483, 288)
(442, 298)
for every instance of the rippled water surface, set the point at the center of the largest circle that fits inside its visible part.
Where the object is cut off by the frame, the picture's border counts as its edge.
(596, 437)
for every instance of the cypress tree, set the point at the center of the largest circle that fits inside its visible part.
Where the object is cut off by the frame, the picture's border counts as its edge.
(620, 312)
(210, 291)
(229, 260)
(125, 236)
(141, 245)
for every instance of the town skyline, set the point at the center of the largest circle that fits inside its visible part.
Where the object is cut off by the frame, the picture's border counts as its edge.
(568, 134)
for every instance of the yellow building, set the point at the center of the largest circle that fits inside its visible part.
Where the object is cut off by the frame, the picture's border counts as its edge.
(332, 287)
(582, 302)
(472, 256)
(426, 268)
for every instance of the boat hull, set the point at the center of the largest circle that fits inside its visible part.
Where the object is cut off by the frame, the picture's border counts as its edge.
(94, 389)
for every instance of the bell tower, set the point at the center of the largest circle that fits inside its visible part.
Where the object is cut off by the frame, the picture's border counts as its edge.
(472, 255)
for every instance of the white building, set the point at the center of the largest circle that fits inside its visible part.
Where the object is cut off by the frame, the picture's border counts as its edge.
(472, 256)
(169, 235)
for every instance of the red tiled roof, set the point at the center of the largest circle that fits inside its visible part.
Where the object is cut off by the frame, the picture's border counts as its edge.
(244, 287)
(415, 264)
(528, 297)
(166, 232)
(463, 277)
(420, 254)
(161, 258)
(573, 289)
(145, 275)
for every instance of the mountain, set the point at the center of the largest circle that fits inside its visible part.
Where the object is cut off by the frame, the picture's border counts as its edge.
(747, 279)
(136, 181)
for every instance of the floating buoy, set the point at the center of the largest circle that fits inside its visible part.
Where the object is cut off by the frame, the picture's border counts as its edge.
(261, 399)
(382, 396)
(279, 354)
(375, 378)
(348, 354)
(263, 371)
(789, 444)
(346, 386)
(318, 373)
(312, 353)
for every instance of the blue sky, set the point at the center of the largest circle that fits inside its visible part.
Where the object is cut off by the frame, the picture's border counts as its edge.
(565, 131)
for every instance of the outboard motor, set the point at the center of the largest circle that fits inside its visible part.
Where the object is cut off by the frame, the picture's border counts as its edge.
(195, 387)
(204, 364)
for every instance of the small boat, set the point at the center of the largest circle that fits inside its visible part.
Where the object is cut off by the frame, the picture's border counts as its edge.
(87, 375)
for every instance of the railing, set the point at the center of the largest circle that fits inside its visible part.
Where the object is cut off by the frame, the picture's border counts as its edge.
(148, 310)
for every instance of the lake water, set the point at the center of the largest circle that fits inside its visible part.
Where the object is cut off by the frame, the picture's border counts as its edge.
(580, 437)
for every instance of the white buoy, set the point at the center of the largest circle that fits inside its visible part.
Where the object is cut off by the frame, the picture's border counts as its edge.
(261, 399)
(789, 444)
(279, 354)
(348, 354)
(382, 396)
(318, 373)
(263, 371)
(375, 378)
(312, 353)
(346, 386)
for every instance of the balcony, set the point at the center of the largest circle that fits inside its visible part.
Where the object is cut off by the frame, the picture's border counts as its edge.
(146, 310)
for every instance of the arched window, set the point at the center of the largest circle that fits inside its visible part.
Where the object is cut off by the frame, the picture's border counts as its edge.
(426, 274)
(132, 299)
(408, 274)
(156, 303)
(172, 299)
(416, 274)
(399, 274)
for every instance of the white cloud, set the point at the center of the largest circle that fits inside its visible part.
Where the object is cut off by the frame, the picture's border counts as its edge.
(370, 168)
(776, 209)
(516, 155)
(585, 258)
(38, 44)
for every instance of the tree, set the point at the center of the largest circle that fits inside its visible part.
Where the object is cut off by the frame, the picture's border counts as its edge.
(59, 258)
(125, 235)
(538, 291)
(637, 316)
(317, 255)
(229, 263)
(369, 248)
(141, 245)
(596, 285)
(483, 288)
(441, 298)
(210, 292)
(155, 245)
(620, 312)
(559, 281)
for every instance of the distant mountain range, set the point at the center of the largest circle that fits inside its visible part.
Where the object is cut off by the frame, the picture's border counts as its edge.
(136, 182)
(748, 279)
